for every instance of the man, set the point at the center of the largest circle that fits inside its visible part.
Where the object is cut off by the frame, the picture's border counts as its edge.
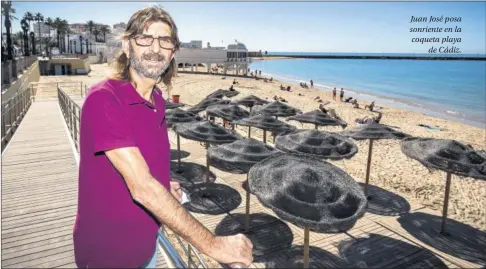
(341, 94)
(125, 192)
(334, 94)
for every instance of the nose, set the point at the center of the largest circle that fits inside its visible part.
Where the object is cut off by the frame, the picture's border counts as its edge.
(156, 45)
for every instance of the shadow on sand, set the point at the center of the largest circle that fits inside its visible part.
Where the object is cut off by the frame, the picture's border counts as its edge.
(463, 241)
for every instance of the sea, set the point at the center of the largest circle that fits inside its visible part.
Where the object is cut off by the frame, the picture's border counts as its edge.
(452, 90)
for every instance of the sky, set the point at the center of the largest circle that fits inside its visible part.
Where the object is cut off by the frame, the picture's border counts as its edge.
(374, 27)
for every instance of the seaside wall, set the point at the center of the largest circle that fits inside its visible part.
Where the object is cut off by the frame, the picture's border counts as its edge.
(205, 56)
(31, 74)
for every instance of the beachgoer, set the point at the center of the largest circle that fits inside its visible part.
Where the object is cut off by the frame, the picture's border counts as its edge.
(271, 79)
(234, 82)
(231, 88)
(355, 103)
(323, 109)
(312, 83)
(125, 192)
(334, 94)
(348, 100)
(341, 94)
(371, 106)
(288, 88)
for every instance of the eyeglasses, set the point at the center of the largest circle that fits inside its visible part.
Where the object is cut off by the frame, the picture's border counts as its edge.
(165, 42)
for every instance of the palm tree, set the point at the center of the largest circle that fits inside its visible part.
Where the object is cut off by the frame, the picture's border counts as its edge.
(7, 12)
(30, 17)
(64, 29)
(105, 30)
(39, 18)
(90, 25)
(96, 33)
(49, 23)
(25, 28)
(57, 25)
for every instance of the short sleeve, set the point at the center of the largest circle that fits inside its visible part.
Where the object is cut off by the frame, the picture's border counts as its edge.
(109, 127)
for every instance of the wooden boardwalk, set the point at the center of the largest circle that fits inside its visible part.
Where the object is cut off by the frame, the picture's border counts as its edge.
(381, 239)
(39, 193)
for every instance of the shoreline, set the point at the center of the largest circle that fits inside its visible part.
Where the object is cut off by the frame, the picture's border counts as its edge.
(364, 97)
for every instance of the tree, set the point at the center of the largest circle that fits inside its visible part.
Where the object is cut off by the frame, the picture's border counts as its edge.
(7, 12)
(49, 23)
(96, 33)
(105, 30)
(39, 18)
(25, 28)
(29, 17)
(90, 25)
(57, 26)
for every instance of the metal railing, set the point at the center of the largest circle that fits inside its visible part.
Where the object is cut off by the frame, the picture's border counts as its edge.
(13, 111)
(71, 113)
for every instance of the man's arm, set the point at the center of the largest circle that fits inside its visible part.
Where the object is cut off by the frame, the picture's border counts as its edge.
(157, 199)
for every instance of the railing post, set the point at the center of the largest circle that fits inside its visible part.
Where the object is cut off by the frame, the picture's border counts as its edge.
(75, 132)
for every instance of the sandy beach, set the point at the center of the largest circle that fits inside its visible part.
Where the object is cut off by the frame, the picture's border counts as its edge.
(391, 169)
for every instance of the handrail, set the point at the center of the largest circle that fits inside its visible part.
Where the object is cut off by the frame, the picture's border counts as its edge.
(71, 113)
(16, 107)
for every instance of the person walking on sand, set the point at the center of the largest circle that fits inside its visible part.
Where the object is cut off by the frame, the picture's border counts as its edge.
(341, 95)
(334, 94)
(312, 83)
(125, 192)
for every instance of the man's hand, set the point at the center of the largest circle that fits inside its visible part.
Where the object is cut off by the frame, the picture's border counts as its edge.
(232, 250)
(175, 190)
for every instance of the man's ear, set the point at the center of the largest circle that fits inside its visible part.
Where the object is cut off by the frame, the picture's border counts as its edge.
(126, 47)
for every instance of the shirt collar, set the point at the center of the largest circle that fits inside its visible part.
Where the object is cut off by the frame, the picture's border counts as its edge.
(131, 96)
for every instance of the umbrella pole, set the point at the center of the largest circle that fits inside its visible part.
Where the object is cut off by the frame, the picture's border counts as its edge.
(249, 131)
(265, 136)
(368, 168)
(446, 203)
(247, 216)
(207, 162)
(306, 247)
(178, 154)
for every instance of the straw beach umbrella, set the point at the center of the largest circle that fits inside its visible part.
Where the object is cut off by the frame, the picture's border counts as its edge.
(317, 144)
(201, 106)
(265, 122)
(171, 105)
(309, 193)
(450, 156)
(250, 101)
(175, 116)
(229, 112)
(278, 109)
(207, 132)
(372, 131)
(240, 156)
(318, 118)
(220, 93)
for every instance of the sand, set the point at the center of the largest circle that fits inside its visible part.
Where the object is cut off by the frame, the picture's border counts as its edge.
(391, 169)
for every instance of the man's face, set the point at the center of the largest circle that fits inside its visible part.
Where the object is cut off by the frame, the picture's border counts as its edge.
(150, 61)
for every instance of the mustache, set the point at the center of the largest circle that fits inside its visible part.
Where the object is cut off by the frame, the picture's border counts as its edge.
(153, 57)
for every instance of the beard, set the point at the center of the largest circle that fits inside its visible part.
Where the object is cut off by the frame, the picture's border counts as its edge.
(150, 65)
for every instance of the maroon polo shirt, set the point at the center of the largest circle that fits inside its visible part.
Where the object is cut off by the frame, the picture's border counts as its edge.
(111, 230)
